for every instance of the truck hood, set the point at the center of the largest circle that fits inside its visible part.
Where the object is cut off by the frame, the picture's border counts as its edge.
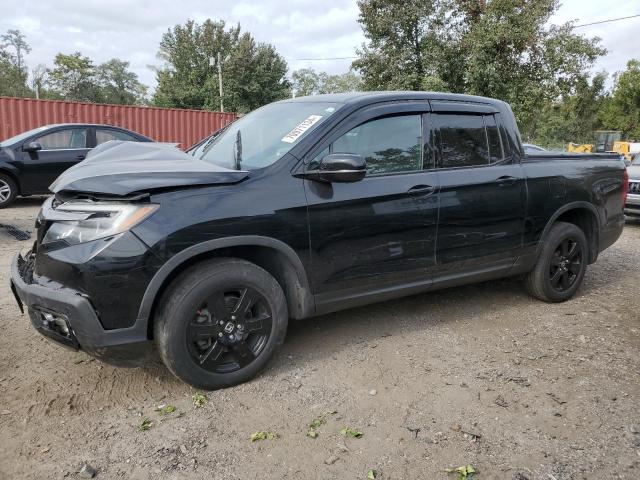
(122, 168)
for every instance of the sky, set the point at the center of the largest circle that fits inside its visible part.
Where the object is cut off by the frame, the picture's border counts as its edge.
(299, 29)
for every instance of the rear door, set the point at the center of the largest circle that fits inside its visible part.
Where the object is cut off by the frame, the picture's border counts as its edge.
(61, 149)
(482, 191)
(378, 234)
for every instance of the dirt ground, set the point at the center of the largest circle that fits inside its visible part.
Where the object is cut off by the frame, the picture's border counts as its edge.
(481, 375)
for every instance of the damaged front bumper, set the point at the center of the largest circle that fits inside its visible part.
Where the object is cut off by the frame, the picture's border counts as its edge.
(68, 318)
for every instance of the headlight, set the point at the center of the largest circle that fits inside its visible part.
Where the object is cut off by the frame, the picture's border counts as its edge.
(79, 222)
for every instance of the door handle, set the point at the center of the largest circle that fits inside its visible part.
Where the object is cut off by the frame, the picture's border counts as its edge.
(80, 157)
(422, 189)
(506, 180)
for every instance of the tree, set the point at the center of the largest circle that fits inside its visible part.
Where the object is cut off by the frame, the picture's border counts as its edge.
(16, 39)
(253, 73)
(73, 78)
(118, 84)
(13, 71)
(621, 111)
(406, 42)
(497, 48)
(307, 81)
(575, 117)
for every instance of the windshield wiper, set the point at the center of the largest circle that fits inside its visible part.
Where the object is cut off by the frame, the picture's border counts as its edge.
(212, 138)
(238, 150)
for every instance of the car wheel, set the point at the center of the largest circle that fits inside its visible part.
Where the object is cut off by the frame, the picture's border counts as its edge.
(219, 323)
(8, 191)
(561, 266)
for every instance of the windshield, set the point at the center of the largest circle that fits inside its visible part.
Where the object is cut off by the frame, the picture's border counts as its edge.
(636, 160)
(263, 136)
(21, 136)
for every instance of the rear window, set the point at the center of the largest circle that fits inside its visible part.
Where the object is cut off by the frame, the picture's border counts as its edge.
(468, 140)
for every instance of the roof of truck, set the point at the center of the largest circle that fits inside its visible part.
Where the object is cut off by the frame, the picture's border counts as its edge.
(374, 97)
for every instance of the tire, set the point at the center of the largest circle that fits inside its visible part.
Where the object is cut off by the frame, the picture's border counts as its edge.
(560, 268)
(212, 329)
(8, 190)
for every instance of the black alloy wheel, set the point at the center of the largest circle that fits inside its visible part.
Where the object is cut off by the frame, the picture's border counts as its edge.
(230, 329)
(219, 322)
(561, 264)
(566, 264)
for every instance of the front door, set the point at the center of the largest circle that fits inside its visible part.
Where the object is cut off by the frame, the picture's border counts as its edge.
(60, 150)
(482, 195)
(377, 235)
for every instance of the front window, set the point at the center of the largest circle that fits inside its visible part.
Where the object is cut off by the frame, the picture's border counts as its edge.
(265, 135)
(388, 145)
(64, 139)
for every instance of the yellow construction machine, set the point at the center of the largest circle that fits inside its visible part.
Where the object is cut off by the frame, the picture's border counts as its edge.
(608, 141)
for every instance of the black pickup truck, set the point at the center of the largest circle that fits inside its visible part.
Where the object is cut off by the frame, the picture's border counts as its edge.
(303, 207)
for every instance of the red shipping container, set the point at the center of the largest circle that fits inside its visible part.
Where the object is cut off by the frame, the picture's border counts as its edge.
(174, 125)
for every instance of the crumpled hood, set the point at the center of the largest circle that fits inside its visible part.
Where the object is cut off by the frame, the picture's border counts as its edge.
(122, 168)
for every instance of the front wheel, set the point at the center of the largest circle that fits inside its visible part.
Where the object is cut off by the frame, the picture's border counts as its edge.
(220, 322)
(561, 266)
(8, 191)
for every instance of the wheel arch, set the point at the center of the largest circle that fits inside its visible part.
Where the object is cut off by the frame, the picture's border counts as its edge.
(275, 256)
(11, 174)
(585, 216)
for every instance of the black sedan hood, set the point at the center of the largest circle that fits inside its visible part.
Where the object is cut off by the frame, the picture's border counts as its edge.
(122, 168)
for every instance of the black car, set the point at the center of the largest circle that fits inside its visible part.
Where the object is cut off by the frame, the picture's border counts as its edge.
(303, 207)
(31, 161)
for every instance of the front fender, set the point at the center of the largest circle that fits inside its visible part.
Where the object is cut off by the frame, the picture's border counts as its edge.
(174, 264)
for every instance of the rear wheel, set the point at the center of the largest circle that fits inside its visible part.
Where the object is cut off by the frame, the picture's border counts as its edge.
(8, 190)
(220, 322)
(561, 266)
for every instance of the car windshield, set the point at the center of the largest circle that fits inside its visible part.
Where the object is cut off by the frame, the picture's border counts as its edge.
(21, 136)
(265, 135)
(636, 160)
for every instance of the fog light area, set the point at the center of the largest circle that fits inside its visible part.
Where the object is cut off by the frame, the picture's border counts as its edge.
(55, 322)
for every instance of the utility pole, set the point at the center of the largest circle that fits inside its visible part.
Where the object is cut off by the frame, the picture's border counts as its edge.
(212, 62)
(220, 81)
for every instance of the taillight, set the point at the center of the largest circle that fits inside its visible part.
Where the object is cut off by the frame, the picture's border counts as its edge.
(625, 186)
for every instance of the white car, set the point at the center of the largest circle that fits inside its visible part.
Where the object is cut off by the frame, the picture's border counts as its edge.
(632, 207)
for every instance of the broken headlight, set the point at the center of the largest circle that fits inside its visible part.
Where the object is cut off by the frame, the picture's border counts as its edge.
(80, 221)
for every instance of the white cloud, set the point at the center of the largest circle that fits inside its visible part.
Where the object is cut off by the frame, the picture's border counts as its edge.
(298, 28)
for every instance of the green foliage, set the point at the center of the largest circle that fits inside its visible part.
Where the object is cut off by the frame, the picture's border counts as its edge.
(199, 399)
(253, 73)
(75, 77)
(145, 425)
(118, 84)
(498, 48)
(465, 472)
(351, 432)
(13, 70)
(165, 409)
(621, 111)
(263, 436)
(307, 81)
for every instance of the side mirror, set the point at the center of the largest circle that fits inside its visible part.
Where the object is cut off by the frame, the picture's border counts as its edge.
(32, 147)
(339, 168)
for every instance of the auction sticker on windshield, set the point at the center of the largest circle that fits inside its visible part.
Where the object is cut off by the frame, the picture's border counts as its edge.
(306, 124)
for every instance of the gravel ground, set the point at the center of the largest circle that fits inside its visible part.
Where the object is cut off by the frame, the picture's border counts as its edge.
(480, 375)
